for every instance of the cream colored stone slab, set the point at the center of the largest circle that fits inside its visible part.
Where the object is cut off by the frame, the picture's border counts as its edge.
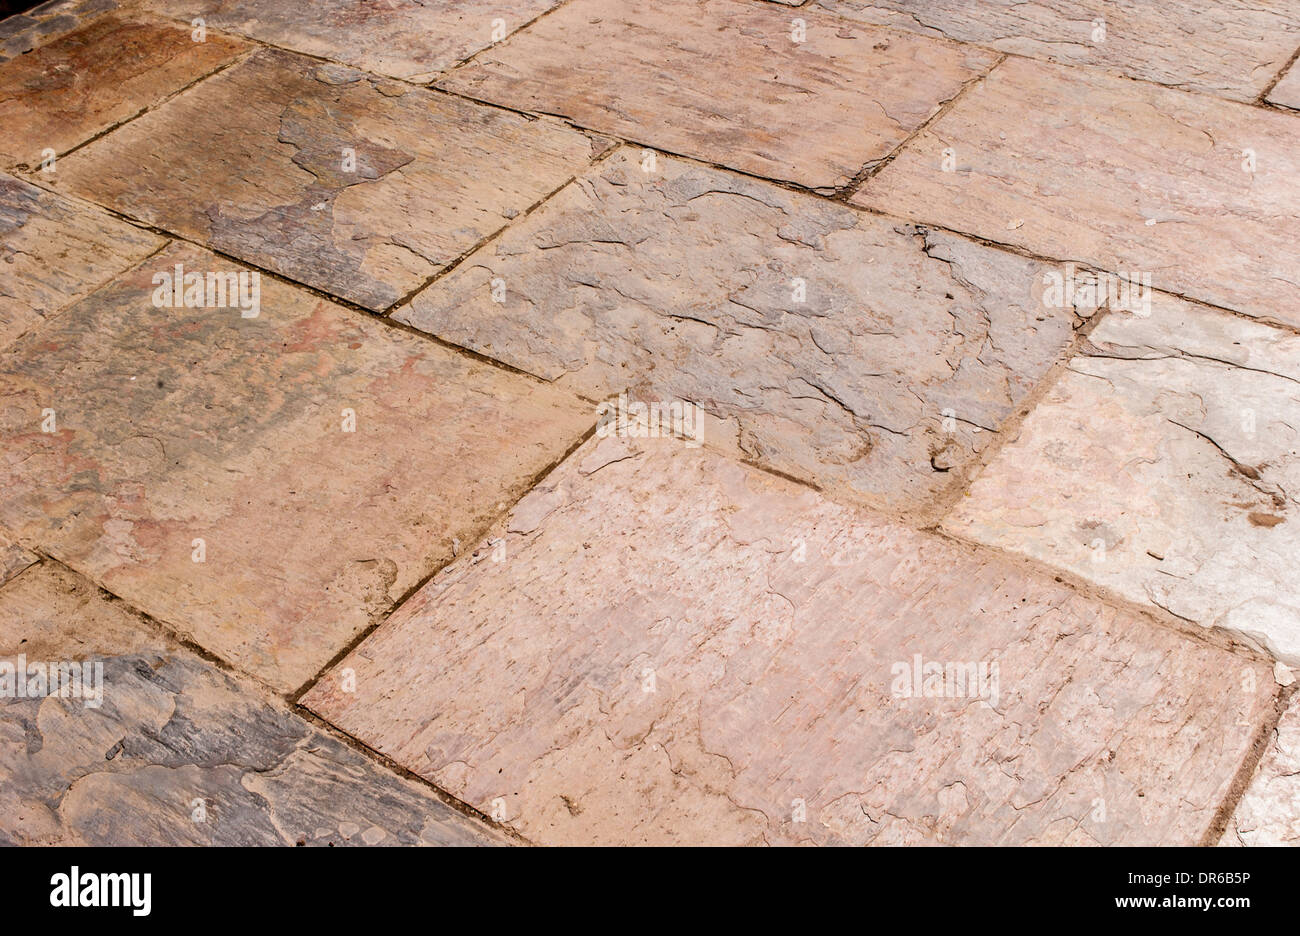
(1287, 91)
(1074, 164)
(362, 187)
(85, 82)
(408, 39)
(1165, 464)
(1229, 48)
(850, 350)
(158, 747)
(268, 485)
(804, 97)
(53, 251)
(665, 646)
(1269, 812)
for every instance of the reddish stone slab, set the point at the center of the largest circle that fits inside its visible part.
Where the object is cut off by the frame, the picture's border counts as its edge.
(363, 188)
(664, 646)
(1125, 176)
(801, 96)
(91, 79)
(171, 426)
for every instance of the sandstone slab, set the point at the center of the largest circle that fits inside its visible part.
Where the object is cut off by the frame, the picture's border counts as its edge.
(363, 187)
(839, 347)
(266, 485)
(53, 251)
(1287, 91)
(1269, 812)
(175, 751)
(1077, 165)
(1229, 48)
(406, 39)
(1165, 464)
(666, 646)
(23, 32)
(85, 82)
(737, 83)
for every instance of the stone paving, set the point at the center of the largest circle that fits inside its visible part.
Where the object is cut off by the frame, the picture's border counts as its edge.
(570, 422)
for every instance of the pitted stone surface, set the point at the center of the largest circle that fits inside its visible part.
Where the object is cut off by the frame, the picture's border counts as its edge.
(177, 752)
(727, 81)
(326, 461)
(85, 82)
(407, 39)
(1165, 464)
(850, 350)
(1121, 175)
(687, 650)
(1229, 48)
(53, 251)
(363, 187)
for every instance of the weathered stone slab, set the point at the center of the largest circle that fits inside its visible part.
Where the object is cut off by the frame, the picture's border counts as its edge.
(13, 559)
(1165, 464)
(85, 82)
(1269, 812)
(406, 39)
(676, 648)
(1287, 91)
(1118, 174)
(850, 350)
(728, 81)
(169, 750)
(1230, 48)
(325, 461)
(22, 32)
(53, 251)
(364, 187)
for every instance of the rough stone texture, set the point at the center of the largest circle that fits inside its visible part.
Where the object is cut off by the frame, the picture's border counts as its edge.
(629, 279)
(85, 82)
(177, 424)
(407, 39)
(1287, 91)
(1230, 48)
(1269, 813)
(433, 174)
(523, 681)
(21, 33)
(172, 730)
(53, 251)
(722, 80)
(13, 559)
(1118, 174)
(1165, 464)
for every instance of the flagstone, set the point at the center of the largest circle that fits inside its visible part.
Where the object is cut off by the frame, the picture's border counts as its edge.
(364, 187)
(95, 77)
(1122, 175)
(13, 559)
(268, 486)
(22, 32)
(1229, 48)
(1165, 465)
(1287, 91)
(854, 351)
(406, 39)
(1269, 812)
(677, 648)
(172, 751)
(53, 251)
(807, 98)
